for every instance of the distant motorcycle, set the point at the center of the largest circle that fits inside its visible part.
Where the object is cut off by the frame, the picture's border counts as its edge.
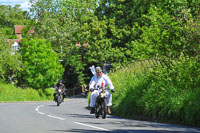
(59, 96)
(101, 103)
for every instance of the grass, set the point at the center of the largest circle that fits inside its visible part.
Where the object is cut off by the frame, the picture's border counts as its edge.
(130, 84)
(166, 94)
(10, 93)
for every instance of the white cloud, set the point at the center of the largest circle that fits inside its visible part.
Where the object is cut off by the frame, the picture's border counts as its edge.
(13, 1)
(24, 4)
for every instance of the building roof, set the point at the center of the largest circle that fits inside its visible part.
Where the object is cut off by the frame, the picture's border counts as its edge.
(14, 40)
(18, 29)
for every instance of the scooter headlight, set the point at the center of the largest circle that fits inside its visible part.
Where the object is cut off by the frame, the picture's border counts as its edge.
(59, 90)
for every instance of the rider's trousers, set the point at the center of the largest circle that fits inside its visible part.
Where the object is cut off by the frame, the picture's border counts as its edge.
(94, 96)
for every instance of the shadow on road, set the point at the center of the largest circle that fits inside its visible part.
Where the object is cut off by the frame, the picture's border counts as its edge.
(118, 131)
(53, 105)
(137, 126)
(81, 131)
(80, 115)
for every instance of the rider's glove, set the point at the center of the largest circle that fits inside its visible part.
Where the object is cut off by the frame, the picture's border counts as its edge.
(91, 89)
(112, 91)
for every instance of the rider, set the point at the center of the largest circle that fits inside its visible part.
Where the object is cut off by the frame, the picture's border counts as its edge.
(62, 86)
(97, 80)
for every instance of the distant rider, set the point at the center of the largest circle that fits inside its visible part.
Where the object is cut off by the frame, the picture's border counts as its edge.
(57, 86)
(97, 80)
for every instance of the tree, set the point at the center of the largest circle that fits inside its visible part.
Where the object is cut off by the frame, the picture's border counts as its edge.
(10, 16)
(59, 22)
(168, 35)
(41, 67)
(10, 61)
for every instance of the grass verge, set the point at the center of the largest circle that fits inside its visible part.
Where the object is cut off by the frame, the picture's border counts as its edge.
(10, 93)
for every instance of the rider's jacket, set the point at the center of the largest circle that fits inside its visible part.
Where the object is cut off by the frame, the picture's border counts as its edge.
(97, 81)
(62, 86)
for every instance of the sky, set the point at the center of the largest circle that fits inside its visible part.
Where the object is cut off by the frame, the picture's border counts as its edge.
(24, 3)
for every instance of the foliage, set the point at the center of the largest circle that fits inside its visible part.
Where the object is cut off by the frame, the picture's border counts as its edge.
(64, 27)
(176, 86)
(169, 93)
(58, 22)
(117, 32)
(10, 62)
(168, 37)
(41, 68)
(100, 49)
(10, 16)
(124, 25)
(153, 28)
(74, 74)
(129, 90)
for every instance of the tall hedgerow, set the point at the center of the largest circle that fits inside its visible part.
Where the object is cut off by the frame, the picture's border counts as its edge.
(166, 93)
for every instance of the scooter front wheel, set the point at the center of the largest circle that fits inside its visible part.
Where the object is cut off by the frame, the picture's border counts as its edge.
(58, 100)
(97, 111)
(104, 109)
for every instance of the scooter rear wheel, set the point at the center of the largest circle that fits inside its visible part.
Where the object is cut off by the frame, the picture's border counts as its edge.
(96, 112)
(58, 100)
(104, 109)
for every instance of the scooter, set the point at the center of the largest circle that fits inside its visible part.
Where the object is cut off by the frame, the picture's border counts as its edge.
(59, 96)
(101, 103)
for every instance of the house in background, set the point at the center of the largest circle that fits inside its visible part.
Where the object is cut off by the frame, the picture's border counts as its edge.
(18, 31)
(15, 43)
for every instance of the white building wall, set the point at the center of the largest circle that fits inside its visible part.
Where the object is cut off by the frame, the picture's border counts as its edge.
(15, 46)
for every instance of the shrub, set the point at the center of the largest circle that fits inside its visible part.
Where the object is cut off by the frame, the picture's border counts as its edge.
(41, 68)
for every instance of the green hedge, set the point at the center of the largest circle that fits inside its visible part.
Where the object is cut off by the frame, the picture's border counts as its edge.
(170, 93)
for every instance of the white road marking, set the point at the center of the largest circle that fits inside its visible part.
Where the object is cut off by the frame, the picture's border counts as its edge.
(41, 113)
(91, 126)
(56, 117)
(37, 109)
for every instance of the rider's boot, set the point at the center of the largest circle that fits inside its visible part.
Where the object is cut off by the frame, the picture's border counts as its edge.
(92, 110)
(54, 98)
(108, 110)
(63, 97)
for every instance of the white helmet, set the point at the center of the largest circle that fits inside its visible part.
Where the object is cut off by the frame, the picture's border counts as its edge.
(98, 69)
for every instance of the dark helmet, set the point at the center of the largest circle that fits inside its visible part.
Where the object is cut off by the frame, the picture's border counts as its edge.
(60, 81)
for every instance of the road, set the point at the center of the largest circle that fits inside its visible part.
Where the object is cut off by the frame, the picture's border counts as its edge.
(72, 116)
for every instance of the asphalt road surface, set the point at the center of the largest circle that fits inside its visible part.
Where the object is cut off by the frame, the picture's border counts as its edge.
(72, 116)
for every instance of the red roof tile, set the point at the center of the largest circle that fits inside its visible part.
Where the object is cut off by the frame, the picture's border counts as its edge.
(18, 29)
(14, 40)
